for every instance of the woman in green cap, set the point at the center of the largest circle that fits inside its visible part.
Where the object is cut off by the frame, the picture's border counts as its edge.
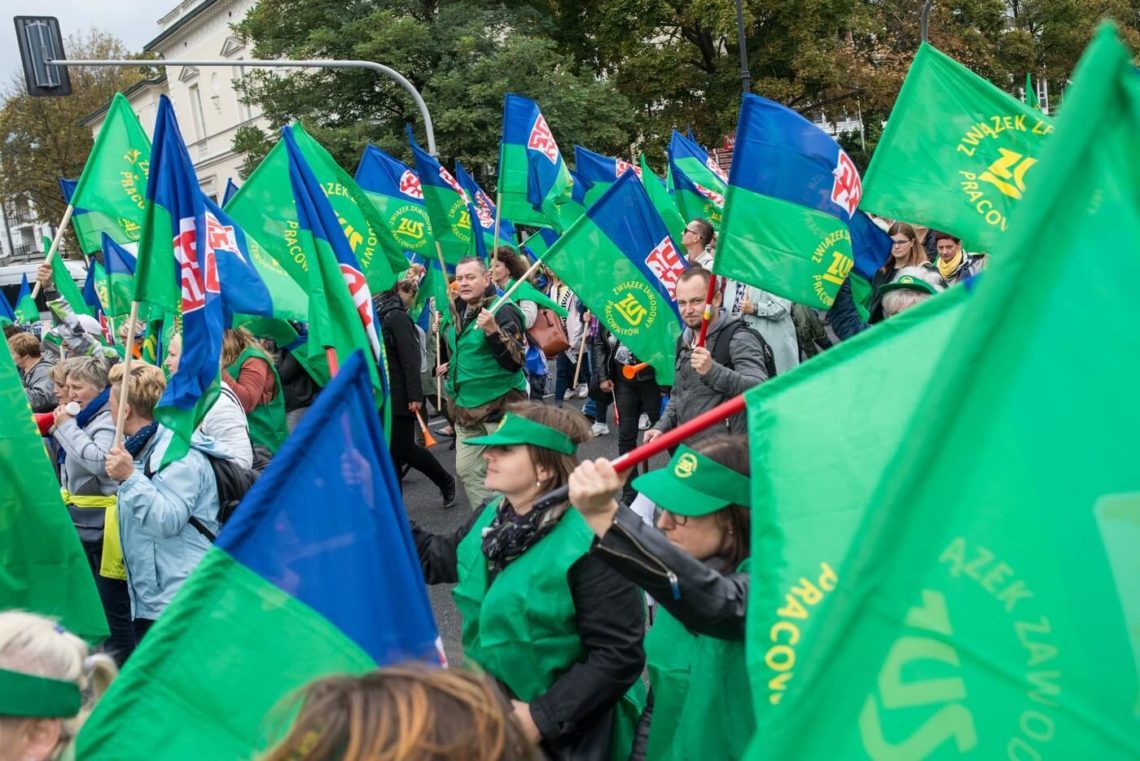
(695, 565)
(48, 686)
(558, 628)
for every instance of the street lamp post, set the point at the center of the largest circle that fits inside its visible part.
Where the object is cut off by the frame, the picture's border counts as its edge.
(745, 76)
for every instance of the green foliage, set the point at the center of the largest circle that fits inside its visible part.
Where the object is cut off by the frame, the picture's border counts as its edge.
(618, 75)
(41, 139)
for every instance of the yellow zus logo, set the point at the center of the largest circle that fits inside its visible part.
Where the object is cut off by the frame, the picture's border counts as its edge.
(631, 309)
(1007, 174)
(411, 228)
(686, 466)
(464, 222)
(952, 722)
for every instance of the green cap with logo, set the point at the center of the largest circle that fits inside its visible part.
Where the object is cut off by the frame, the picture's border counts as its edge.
(692, 484)
(515, 430)
(909, 283)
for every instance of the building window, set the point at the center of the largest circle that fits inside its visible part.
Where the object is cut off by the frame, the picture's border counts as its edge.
(199, 116)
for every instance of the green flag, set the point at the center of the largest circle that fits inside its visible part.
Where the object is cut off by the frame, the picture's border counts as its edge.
(990, 605)
(26, 308)
(44, 568)
(957, 153)
(112, 189)
(265, 209)
(1031, 94)
(65, 284)
(662, 200)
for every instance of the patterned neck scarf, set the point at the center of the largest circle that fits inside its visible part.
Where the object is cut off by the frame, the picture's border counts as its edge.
(511, 534)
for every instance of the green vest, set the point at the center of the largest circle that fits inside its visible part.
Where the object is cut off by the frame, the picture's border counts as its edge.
(267, 421)
(474, 376)
(523, 629)
(702, 701)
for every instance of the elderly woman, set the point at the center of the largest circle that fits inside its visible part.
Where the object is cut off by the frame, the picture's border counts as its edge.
(48, 686)
(84, 439)
(911, 286)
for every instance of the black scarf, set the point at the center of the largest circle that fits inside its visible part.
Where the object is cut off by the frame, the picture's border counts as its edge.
(511, 534)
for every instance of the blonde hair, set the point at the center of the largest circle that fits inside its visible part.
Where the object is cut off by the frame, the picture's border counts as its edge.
(32, 644)
(402, 713)
(234, 342)
(89, 370)
(145, 389)
(61, 369)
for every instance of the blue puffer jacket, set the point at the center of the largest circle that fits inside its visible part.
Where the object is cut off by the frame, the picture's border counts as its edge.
(160, 546)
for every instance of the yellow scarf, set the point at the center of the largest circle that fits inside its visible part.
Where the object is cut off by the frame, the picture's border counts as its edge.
(947, 267)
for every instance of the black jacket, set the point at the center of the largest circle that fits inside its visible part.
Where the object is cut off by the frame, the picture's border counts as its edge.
(402, 343)
(575, 716)
(697, 594)
(604, 366)
(297, 387)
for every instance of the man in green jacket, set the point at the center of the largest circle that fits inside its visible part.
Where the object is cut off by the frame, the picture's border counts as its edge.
(484, 370)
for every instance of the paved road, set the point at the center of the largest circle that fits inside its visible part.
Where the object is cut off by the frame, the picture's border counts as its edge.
(423, 503)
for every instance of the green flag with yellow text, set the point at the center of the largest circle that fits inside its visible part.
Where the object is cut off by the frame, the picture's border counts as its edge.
(957, 153)
(988, 606)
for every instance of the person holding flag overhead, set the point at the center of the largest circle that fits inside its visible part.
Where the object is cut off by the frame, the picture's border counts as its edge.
(558, 628)
(484, 370)
(696, 566)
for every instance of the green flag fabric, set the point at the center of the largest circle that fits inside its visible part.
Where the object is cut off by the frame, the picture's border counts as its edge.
(26, 308)
(662, 200)
(112, 188)
(44, 568)
(265, 209)
(957, 153)
(65, 284)
(990, 606)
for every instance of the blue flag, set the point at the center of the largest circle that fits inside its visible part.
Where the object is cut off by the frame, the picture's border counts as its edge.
(533, 178)
(395, 189)
(231, 190)
(597, 172)
(287, 594)
(7, 315)
(483, 211)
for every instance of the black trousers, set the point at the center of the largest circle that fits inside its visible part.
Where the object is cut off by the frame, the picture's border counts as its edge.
(406, 450)
(116, 605)
(633, 398)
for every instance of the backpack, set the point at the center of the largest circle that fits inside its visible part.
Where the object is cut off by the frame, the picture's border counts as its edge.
(233, 482)
(722, 351)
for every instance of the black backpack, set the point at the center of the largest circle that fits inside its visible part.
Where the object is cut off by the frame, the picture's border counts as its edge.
(722, 352)
(233, 482)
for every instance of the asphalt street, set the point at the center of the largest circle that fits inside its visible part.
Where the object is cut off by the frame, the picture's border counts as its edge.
(424, 507)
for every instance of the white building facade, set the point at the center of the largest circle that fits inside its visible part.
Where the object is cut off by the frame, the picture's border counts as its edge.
(205, 99)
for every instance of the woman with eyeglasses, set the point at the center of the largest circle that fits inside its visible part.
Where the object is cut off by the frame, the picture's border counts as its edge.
(695, 565)
(558, 628)
(906, 251)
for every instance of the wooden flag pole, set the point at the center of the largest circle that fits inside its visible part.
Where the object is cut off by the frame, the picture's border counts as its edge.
(510, 291)
(121, 412)
(55, 244)
(581, 350)
(498, 217)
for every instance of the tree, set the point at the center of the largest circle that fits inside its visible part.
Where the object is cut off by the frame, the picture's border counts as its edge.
(462, 56)
(41, 139)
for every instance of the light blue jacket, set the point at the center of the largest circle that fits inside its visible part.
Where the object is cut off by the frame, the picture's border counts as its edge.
(160, 546)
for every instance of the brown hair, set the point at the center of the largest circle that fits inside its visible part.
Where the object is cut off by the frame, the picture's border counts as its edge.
(24, 345)
(692, 273)
(731, 451)
(234, 342)
(565, 419)
(512, 261)
(917, 252)
(706, 230)
(403, 713)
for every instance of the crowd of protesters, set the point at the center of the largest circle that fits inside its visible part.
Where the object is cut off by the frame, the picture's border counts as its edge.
(552, 596)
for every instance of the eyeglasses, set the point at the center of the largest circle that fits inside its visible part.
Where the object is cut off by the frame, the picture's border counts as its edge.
(678, 520)
(900, 242)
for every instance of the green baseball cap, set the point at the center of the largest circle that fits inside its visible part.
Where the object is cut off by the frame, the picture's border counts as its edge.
(520, 430)
(692, 484)
(909, 283)
(37, 696)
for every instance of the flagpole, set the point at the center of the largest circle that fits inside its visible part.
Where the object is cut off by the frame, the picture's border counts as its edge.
(510, 291)
(498, 215)
(438, 356)
(330, 357)
(55, 244)
(707, 317)
(581, 350)
(121, 412)
(635, 457)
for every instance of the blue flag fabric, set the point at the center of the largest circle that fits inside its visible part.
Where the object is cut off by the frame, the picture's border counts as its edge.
(243, 290)
(591, 168)
(483, 211)
(355, 564)
(7, 314)
(524, 127)
(90, 292)
(231, 190)
(116, 259)
(788, 157)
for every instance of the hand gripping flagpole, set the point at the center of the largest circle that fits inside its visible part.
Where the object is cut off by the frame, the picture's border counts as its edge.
(55, 244)
(510, 291)
(635, 457)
